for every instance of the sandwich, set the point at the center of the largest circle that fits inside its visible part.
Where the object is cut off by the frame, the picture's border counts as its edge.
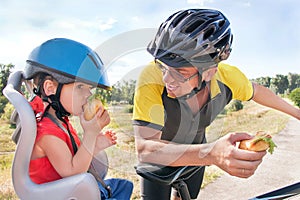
(260, 142)
(91, 108)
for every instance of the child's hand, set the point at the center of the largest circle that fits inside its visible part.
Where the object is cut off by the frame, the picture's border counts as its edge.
(97, 123)
(105, 140)
(102, 117)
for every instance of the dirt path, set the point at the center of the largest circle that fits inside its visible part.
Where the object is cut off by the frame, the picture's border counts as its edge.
(280, 169)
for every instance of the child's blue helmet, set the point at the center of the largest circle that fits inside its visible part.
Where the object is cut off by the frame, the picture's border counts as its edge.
(67, 60)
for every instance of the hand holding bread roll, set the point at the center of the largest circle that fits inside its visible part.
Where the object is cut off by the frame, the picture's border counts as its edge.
(261, 142)
(91, 108)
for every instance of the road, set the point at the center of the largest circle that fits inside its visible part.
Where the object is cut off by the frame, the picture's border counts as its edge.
(278, 170)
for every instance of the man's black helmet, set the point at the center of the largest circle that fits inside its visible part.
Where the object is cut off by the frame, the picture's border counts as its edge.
(193, 37)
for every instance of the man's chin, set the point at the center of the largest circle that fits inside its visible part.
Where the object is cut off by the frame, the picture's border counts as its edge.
(171, 95)
(174, 95)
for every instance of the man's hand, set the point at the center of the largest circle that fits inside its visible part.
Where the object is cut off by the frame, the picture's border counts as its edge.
(235, 161)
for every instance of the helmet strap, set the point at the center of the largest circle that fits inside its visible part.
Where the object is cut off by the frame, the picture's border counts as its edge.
(200, 82)
(55, 103)
(193, 92)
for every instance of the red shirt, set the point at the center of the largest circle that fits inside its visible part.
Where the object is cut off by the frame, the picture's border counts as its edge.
(41, 170)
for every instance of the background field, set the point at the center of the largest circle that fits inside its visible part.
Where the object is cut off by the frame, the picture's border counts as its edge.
(122, 157)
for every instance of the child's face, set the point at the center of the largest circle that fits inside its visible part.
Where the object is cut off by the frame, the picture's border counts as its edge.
(74, 96)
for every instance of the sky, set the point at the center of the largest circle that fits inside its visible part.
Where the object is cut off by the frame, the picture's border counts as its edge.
(266, 32)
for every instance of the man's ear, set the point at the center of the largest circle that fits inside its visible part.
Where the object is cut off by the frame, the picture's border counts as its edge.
(50, 87)
(209, 73)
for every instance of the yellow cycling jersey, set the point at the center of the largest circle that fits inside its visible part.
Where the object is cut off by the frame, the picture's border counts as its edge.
(152, 105)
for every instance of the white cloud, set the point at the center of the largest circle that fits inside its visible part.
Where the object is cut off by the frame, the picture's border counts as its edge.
(247, 4)
(107, 25)
(65, 24)
(72, 24)
(199, 2)
(26, 24)
(124, 66)
(136, 19)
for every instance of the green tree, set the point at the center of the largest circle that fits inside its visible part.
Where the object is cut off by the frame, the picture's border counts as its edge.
(116, 93)
(123, 91)
(295, 96)
(128, 91)
(294, 81)
(103, 95)
(5, 71)
(265, 81)
(279, 84)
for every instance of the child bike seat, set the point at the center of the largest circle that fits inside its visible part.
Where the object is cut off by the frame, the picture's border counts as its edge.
(82, 186)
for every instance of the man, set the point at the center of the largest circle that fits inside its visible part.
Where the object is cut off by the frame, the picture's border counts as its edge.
(181, 93)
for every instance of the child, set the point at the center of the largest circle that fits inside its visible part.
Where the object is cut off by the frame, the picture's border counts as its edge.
(64, 72)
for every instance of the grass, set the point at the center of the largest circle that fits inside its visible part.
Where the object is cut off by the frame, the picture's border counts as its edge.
(7, 145)
(7, 148)
(122, 157)
(251, 119)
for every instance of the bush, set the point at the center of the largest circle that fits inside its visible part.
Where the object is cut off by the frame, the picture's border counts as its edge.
(235, 105)
(3, 102)
(8, 109)
(295, 96)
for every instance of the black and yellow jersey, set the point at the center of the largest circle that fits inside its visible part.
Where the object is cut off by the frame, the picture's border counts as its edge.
(154, 108)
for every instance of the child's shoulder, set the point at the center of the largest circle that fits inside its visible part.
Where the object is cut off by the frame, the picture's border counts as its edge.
(47, 127)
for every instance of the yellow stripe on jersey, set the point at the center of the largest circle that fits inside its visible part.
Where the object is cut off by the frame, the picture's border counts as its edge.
(148, 104)
(239, 84)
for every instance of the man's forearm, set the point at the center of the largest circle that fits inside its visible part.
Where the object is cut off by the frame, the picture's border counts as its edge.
(171, 154)
(266, 97)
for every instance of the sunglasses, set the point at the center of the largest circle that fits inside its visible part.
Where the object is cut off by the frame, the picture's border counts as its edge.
(176, 75)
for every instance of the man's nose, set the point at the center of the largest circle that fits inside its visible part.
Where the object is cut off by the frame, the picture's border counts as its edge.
(167, 77)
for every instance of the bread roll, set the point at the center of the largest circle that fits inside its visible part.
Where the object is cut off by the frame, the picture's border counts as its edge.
(260, 142)
(250, 145)
(91, 108)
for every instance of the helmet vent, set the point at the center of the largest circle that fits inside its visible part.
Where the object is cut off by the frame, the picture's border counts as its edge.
(209, 32)
(212, 15)
(205, 46)
(165, 40)
(222, 43)
(221, 23)
(194, 26)
(93, 60)
(179, 18)
(198, 36)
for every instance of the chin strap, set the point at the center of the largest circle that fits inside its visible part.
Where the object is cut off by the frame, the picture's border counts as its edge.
(60, 111)
(54, 102)
(193, 92)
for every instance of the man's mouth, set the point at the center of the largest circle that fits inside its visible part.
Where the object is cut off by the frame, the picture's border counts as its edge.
(171, 88)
